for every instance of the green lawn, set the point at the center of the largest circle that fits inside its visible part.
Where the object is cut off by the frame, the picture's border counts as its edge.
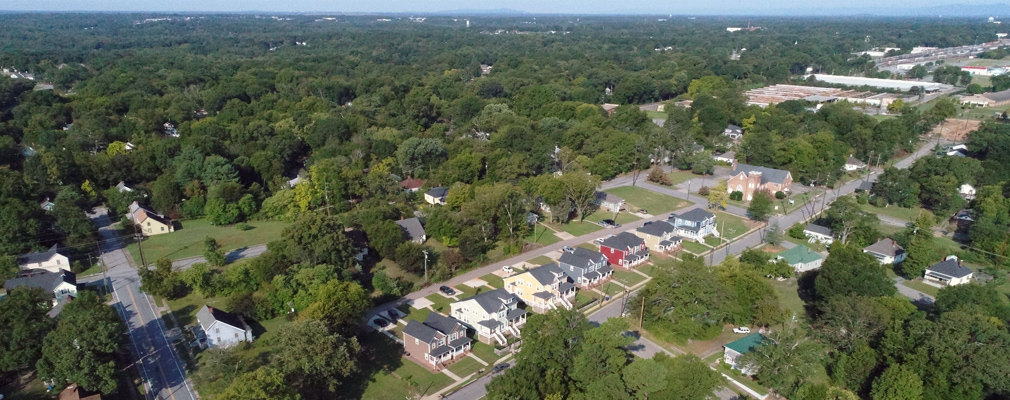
(465, 366)
(440, 303)
(695, 247)
(628, 278)
(185, 308)
(540, 260)
(922, 287)
(655, 203)
(417, 314)
(611, 289)
(493, 280)
(730, 226)
(589, 246)
(94, 269)
(484, 352)
(584, 297)
(713, 241)
(677, 176)
(648, 269)
(188, 241)
(543, 236)
(907, 214)
(789, 298)
(656, 114)
(392, 375)
(622, 217)
(576, 228)
(815, 246)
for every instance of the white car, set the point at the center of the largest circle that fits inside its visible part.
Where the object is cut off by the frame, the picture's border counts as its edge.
(742, 329)
(507, 269)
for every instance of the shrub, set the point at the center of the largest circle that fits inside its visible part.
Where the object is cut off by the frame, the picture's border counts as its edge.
(796, 231)
(736, 196)
(780, 195)
(704, 191)
(657, 175)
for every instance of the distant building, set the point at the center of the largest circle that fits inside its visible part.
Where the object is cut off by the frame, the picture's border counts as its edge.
(728, 157)
(609, 108)
(411, 184)
(413, 230)
(47, 205)
(122, 188)
(750, 178)
(967, 192)
(436, 195)
(733, 132)
(75, 392)
(853, 164)
(436, 342)
(887, 251)
(694, 224)
(893, 84)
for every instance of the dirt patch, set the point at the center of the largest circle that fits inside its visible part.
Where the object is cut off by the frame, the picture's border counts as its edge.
(956, 130)
(773, 249)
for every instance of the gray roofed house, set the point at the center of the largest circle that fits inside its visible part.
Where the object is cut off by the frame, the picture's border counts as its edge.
(853, 164)
(436, 195)
(545, 274)
(625, 249)
(948, 272)
(413, 230)
(585, 267)
(694, 224)
(767, 174)
(223, 329)
(60, 284)
(887, 251)
(733, 132)
(817, 233)
(58, 307)
(435, 342)
(658, 228)
(696, 215)
(609, 201)
(623, 240)
(52, 260)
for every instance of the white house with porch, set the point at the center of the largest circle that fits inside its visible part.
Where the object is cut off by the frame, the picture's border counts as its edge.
(948, 272)
(493, 315)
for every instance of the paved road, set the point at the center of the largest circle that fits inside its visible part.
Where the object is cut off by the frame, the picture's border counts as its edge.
(232, 256)
(159, 364)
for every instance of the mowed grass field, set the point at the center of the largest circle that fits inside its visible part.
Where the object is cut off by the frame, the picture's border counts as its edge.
(653, 202)
(188, 241)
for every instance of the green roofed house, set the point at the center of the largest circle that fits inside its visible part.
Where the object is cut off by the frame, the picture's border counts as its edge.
(734, 350)
(801, 258)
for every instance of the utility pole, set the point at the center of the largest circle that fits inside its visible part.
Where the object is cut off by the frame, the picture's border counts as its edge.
(641, 315)
(624, 300)
(140, 246)
(425, 264)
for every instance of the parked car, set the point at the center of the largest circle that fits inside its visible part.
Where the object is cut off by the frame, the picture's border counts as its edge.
(609, 223)
(742, 329)
(381, 323)
(499, 368)
(643, 211)
(447, 290)
(507, 269)
(394, 314)
(568, 249)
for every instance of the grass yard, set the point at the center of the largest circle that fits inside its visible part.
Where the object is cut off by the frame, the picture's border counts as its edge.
(185, 308)
(922, 287)
(484, 352)
(730, 226)
(622, 217)
(649, 269)
(393, 270)
(540, 260)
(583, 297)
(493, 280)
(610, 288)
(695, 247)
(589, 246)
(417, 314)
(392, 375)
(907, 214)
(656, 115)
(815, 246)
(628, 278)
(789, 298)
(440, 303)
(576, 228)
(543, 236)
(188, 241)
(655, 203)
(713, 241)
(737, 376)
(94, 269)
(465, 366)
(678, 176)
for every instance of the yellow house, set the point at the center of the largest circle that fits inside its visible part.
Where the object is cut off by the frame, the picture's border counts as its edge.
(543, 288)
(152, 224)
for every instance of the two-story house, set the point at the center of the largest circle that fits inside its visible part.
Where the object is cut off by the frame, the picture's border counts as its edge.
(733, 132)
(436, 342)
(660, 236)
(150, 222)
(749, 179)
(491, 314)
(609, 202)
(223, 329)
(543, 288)
(52, 260)
(586, 268)
(625, 250)
(694, 224)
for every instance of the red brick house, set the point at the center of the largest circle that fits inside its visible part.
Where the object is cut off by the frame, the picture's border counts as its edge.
(749, 179)
(625, 250)
(436, 342)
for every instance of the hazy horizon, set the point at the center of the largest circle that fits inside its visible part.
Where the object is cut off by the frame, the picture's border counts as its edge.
(700, 7)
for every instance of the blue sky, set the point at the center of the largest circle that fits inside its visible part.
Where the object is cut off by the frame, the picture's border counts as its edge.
(536, 6)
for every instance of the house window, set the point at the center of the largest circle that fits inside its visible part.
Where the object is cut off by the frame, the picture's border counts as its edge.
(148, 224)
(217, 330)
(57, 262)
(163, 229)
(236, 335)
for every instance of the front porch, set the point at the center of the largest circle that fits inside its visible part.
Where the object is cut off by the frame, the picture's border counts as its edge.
(443, 356)
(634, 260)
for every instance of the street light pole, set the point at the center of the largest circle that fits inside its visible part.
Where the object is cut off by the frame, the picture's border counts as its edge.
(425, 264)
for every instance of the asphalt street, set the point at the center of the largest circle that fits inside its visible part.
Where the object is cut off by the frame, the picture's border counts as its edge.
(158, 362)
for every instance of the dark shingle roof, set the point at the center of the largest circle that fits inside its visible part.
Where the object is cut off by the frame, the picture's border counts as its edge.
(658, 228)
(823, 230)
(42, 279)
(492, 301)
(696, 215)
(581, 257)
(434, 324)
(733, 128)
(412, 227)
(885, 246)
(767, 174)
(419, 331)
(39, 256)
(441, 323)
(545, 274)
(207, 315)
(622, 240)
(950, 268)
(998, 96)
(438, 192)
